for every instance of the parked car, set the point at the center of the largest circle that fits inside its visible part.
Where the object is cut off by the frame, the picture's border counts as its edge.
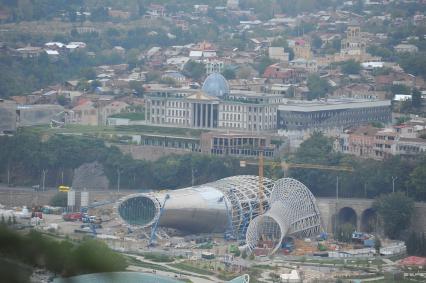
(72, 216)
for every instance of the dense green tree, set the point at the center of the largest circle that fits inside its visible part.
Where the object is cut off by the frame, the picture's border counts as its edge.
(417, 181)
(229, 74)
(380, 51)
(318, 87)
(395, 209)
(416, 244)
(59, 199)
(62, 100)
(377, 244)
(263, 63)
(350, 67)
(416, 98)
(137, 88)
(60, 257)
(194, 70)
(414, 63)
(344, 232)
(400, 89)
(318, 149)
(316, 41)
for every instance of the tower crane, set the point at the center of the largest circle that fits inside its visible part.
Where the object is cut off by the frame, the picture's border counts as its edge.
(285, 165)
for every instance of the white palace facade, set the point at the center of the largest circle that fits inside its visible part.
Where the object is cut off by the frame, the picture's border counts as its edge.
(217, 107)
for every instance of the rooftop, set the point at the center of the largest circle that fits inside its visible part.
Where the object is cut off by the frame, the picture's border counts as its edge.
(330, 104)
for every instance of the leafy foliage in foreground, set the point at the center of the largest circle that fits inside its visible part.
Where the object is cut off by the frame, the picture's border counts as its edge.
(60, 257)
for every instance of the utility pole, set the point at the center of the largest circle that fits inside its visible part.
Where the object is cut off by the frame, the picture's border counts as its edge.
(393, 183)
(8, 176)
(337, 189)
(192, 176)
(44, 179)
(118, 179)
(365, 190)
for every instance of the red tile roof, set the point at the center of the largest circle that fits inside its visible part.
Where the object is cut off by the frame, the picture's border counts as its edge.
(413, 260)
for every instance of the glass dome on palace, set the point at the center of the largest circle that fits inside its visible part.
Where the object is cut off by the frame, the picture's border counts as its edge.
(216, 85)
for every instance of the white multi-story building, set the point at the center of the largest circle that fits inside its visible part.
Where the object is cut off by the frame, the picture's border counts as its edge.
(214, 107)
(214, 66)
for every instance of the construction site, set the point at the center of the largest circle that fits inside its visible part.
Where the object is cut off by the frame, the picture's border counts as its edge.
(217, 230)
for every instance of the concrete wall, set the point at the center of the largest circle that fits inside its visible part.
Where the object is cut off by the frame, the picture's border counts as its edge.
(12, 197)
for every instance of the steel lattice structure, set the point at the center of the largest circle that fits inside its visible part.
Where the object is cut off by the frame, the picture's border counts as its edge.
(227, 205)
(242, 200)
(293, 211)
(230, 205)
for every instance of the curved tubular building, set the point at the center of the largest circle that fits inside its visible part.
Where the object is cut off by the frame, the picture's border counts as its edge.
(227, 205)
(293, 212)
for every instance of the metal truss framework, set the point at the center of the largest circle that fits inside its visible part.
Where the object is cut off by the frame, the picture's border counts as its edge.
(242, 200)
(240, 195)
(230, 205)
(293, 212)
(138, 210)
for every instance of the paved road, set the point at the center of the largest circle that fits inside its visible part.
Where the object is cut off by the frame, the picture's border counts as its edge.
(168, 274)
(194, 276)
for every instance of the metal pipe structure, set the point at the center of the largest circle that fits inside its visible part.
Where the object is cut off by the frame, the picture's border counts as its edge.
(293, 212)
(227, 205)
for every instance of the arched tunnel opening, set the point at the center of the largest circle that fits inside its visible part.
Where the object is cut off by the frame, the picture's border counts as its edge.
(369, 221)
(346, 224)
(347, 215)
(139, 210)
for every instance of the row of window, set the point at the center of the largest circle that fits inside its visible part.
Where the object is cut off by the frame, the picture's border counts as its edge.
(379, 145)
(385, 138)
(243, 152)
(179, 113)
(410, 148)
(239, 141)
(177, 121)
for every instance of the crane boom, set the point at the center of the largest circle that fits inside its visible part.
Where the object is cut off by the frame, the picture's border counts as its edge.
(286, 166)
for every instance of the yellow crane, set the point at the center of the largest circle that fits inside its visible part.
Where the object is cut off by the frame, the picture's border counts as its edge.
(285, 165)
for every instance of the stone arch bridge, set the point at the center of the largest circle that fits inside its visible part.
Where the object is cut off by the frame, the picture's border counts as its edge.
(360, 213)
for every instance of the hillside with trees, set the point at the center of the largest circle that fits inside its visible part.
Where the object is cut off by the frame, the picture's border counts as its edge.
(25, 157)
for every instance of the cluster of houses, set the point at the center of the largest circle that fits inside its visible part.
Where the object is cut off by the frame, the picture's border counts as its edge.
(407, 140)
(52, 49)
(252, 100)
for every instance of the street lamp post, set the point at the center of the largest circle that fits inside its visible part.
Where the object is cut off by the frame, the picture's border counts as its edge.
(393, 183)
(118, 179)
